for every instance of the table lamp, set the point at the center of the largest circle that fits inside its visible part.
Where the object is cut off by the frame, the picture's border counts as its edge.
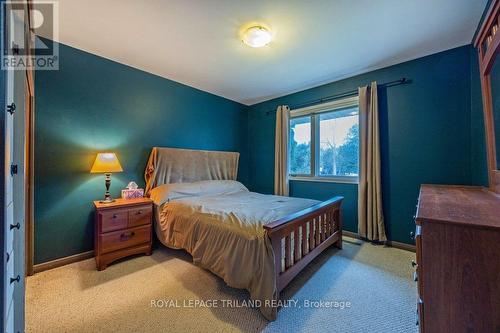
(106, 163)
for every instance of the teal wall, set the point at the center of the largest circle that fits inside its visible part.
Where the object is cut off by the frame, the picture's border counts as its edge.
(425, 136)
(92, 104)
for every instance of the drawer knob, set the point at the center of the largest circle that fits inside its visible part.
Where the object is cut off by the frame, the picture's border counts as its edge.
(127, 235)
(115, 216)
(16, 279)
(139, 212)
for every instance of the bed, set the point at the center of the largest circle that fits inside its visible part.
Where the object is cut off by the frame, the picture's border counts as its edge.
(253, 241)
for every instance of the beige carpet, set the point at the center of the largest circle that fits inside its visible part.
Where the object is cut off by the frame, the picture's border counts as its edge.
(376, 281)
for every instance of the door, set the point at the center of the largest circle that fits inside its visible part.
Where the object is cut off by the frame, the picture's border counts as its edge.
(14, 187)
(14, 204)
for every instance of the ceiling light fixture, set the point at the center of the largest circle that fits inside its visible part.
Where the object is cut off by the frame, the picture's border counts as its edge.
(257, 36)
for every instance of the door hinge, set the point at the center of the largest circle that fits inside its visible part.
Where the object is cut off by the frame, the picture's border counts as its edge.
(13, 169)
(15, 49)
(11, 108)
(16, 279)
(15, 226)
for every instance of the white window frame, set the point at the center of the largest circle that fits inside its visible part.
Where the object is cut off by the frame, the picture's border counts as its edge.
(314, 112)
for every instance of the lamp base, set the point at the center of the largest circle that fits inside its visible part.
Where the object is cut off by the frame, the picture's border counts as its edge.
(107, 196)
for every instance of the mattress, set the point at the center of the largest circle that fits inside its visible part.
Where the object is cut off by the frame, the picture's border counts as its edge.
(224, 233)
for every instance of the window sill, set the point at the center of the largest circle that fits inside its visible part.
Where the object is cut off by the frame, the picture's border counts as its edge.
(341, 180)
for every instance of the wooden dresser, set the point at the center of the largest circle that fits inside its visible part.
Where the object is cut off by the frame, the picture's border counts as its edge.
(458, 259)
(122, 228)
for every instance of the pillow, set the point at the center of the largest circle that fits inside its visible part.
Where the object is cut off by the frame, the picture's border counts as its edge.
(167, 192)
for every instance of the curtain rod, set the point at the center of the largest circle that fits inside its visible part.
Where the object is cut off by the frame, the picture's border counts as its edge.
(403, 80)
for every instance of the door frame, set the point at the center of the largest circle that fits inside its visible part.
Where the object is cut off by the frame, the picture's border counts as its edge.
(29, 152)
(15, 173)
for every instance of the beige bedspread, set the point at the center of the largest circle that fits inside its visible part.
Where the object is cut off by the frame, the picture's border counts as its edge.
(224, 234)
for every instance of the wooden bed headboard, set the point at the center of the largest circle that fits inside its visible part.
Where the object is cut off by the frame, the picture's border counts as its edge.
(173, 165)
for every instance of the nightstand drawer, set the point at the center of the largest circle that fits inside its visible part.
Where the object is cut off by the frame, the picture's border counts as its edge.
(114, 220)
(140, 216)
(122, 228)
(116, 240)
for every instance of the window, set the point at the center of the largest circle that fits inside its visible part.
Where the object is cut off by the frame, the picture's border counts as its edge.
(324, 141)
(300, 145)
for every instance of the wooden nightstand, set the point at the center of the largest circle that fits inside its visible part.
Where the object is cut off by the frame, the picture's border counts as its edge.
(122, 228)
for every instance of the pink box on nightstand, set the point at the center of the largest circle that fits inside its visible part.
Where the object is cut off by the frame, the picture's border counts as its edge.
(132, 193)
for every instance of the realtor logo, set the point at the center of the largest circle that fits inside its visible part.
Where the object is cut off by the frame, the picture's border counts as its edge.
(22, 50)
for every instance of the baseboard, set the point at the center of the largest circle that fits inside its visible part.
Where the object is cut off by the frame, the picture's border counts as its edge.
(90, 254)
(350, 234)
(62, 261)
(397, 245)
(402, 246)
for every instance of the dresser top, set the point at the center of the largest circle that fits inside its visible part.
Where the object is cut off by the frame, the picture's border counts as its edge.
(465, 205)
(122, 203)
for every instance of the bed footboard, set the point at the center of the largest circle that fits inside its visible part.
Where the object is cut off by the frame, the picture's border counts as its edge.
(305, 235)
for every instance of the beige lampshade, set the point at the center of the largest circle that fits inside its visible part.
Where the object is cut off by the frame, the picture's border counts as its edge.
(106, 163)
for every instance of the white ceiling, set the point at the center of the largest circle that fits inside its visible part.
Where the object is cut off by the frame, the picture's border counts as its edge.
(315, 42)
